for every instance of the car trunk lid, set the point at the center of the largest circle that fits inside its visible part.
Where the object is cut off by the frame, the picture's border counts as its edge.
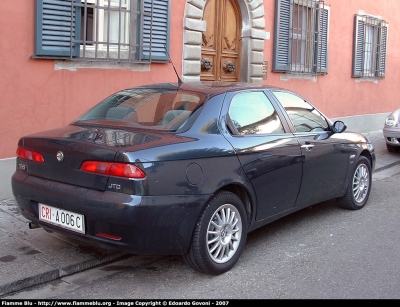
(65, 149)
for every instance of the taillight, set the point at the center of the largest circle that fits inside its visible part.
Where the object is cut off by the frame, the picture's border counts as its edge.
(113, 169)
(30, 155)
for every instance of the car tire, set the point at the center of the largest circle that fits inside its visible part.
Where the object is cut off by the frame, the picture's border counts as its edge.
(391, 148)
(359, 187)
(219, 236)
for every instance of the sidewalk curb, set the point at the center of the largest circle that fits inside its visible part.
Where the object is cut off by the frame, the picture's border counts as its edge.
(31, 257)
(382, 168)
(49, 267)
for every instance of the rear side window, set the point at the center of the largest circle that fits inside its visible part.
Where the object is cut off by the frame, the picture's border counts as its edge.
(304, 116)
(253, 113)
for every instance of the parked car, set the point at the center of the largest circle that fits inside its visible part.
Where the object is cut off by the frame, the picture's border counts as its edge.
(391, 131)
(189, 169)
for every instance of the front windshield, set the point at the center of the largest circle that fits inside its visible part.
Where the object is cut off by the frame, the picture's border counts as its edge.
(149, 108)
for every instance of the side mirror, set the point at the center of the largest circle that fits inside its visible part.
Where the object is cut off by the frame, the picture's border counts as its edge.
(339, 126)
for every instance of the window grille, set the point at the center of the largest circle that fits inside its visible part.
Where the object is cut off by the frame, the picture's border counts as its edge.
(301, 37)
(369, 56)
(103, 30)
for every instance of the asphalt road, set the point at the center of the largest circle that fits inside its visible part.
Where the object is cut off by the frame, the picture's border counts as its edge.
(322, 252)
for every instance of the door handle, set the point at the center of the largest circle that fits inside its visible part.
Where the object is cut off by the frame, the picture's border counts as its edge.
(206, 64)
(307, 147)
(229, 67)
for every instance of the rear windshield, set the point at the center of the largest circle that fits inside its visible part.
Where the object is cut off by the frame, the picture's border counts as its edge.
(159, 109)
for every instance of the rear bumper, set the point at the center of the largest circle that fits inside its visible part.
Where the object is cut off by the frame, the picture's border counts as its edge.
(146, 224)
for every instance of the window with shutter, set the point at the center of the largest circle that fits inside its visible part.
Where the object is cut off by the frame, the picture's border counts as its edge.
(301, 37)
(369, 47)
(102, 30)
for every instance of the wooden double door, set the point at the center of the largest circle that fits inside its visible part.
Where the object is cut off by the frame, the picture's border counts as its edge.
(221, 42)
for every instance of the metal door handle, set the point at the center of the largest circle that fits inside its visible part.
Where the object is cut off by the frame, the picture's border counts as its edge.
(229, 67)
(206, 64)
(307, 147)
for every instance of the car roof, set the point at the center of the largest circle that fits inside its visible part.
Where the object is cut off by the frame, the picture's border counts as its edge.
(209, 87)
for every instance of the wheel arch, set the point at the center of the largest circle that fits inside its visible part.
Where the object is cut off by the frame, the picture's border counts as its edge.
(248, 200)
(367, 154)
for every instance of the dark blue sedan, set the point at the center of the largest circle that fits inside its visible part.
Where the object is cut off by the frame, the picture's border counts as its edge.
(189, 169)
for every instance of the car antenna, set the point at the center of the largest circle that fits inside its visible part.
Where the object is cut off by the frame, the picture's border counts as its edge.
(179, 79)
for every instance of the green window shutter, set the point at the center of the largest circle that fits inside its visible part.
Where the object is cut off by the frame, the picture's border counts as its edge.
(156, 40)
(282, 42)
(358, 47)
(321, 54)
(381, 69)
(56, 22)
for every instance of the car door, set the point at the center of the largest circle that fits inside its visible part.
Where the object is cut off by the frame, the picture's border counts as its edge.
(326, 155)
(269, 154)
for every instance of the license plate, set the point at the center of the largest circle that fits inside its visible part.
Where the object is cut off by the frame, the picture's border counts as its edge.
(63, 218)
